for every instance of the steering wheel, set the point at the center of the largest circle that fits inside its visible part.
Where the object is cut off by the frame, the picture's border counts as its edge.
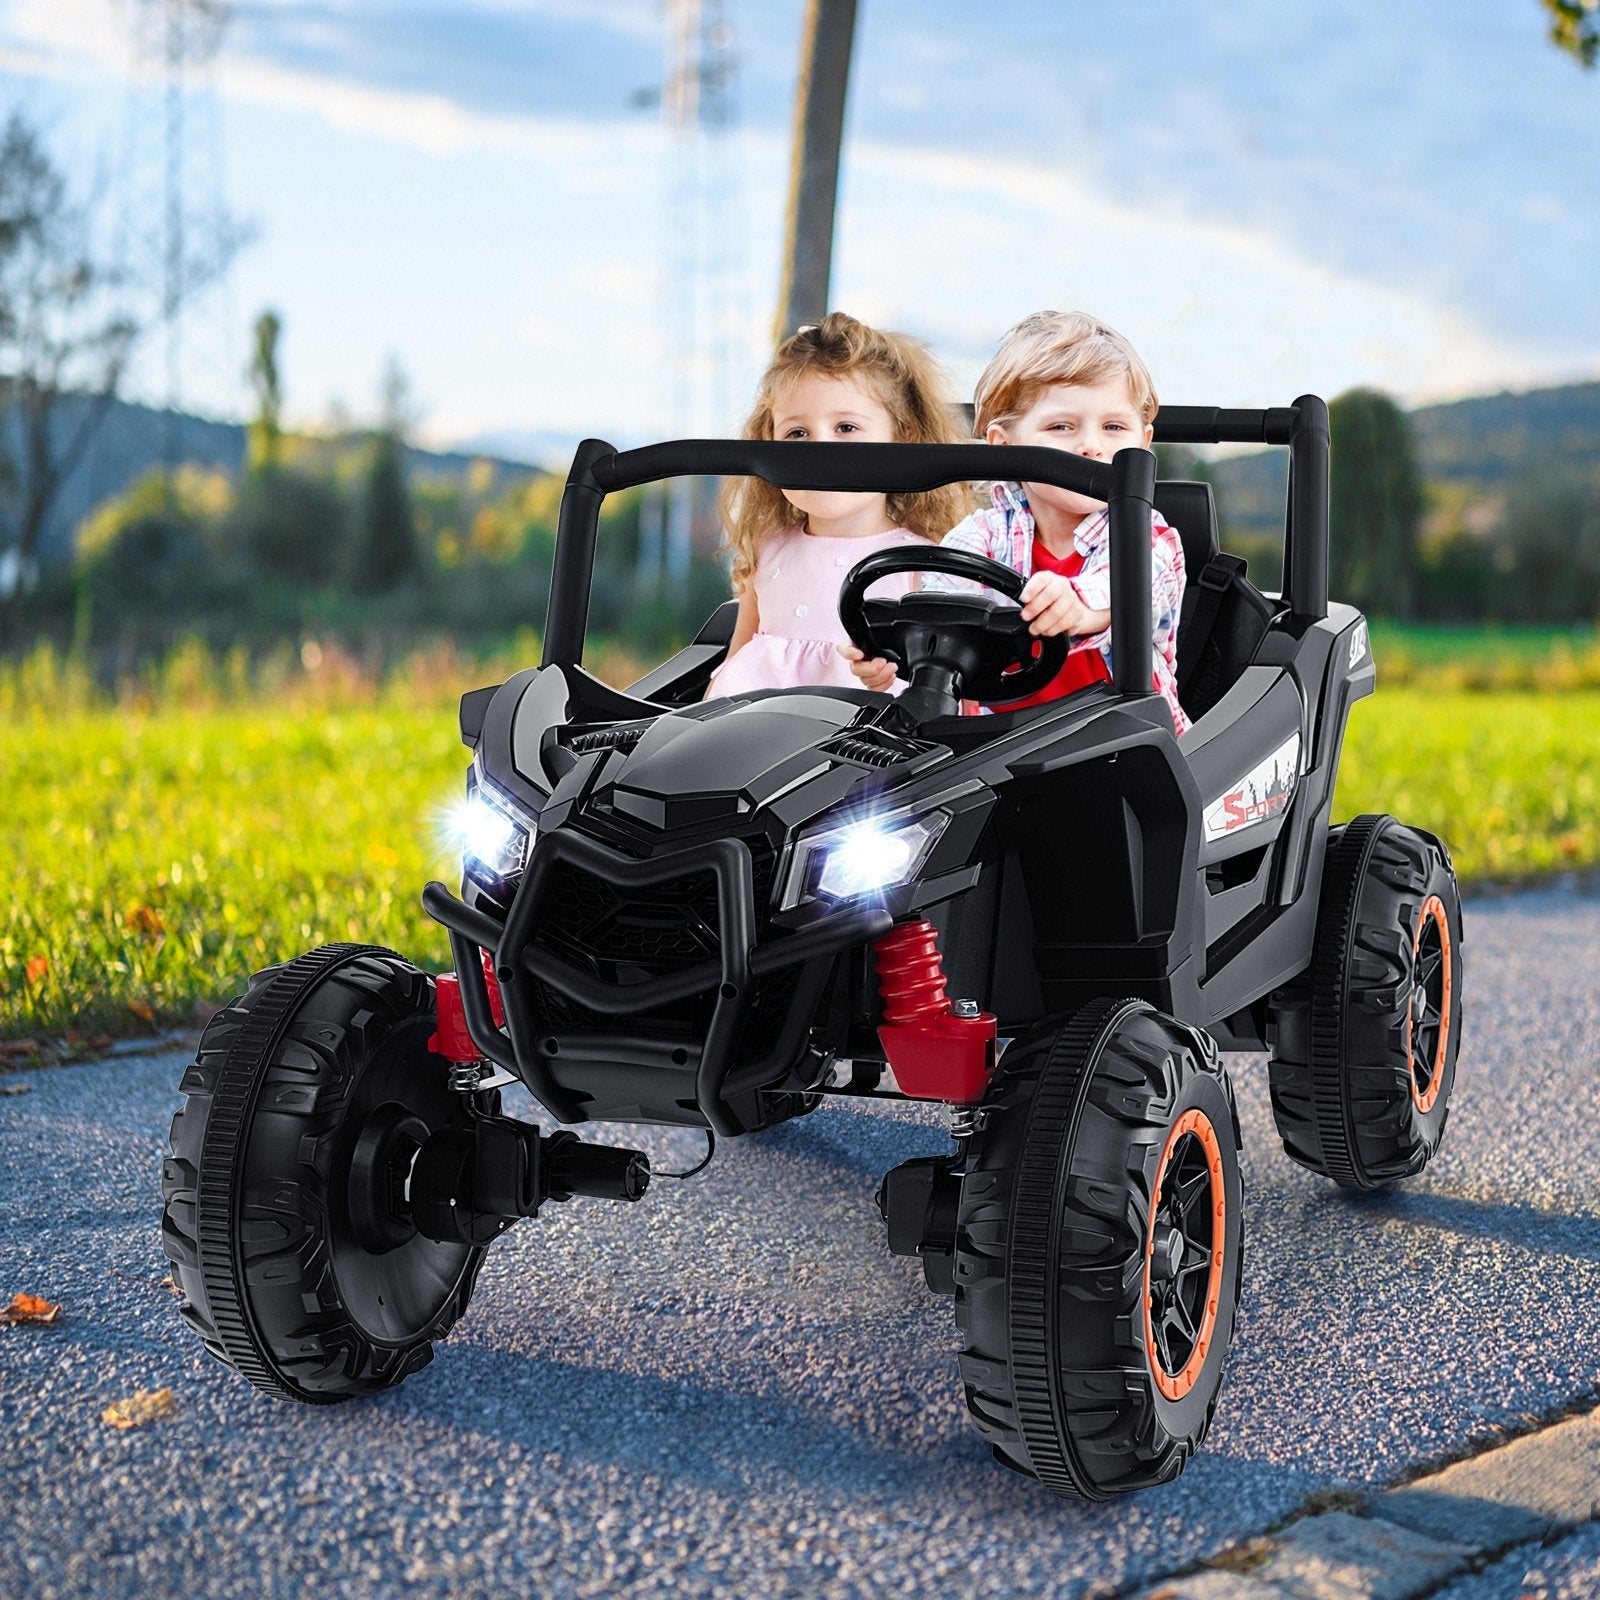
(960, 644)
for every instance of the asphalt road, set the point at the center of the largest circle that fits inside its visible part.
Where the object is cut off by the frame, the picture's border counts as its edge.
(732, 1388)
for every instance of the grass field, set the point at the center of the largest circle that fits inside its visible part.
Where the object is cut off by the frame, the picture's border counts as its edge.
(155, 860)
(1435, 655)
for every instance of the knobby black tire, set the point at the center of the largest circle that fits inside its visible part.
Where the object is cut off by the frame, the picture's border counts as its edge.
(256, 1217)
(1345, 1094)
(1050, 1250)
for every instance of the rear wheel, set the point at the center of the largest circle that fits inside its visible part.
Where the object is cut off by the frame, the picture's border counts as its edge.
(1098, 1250)
(1365, 1054)
(286, 1216)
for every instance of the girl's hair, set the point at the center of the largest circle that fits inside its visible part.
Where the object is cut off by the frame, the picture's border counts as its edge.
(909, 384)
(1057, 347)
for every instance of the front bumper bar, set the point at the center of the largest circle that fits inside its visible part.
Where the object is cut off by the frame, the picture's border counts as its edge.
(728, 977)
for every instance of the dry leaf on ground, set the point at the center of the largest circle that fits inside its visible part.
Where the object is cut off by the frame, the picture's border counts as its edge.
(79, 1045)
(29, 1308)
(148, 1405)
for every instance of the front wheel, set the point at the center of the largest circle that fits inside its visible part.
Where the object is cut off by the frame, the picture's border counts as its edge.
(286, 1214)
(1098, 1250)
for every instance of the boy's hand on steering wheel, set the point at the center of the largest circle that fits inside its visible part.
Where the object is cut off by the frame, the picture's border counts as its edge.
(876, 674)
(1050, 605)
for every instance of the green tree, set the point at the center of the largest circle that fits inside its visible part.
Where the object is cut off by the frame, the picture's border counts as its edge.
(266, 435)
(1547, 549)
(1575, 28)
(290, 525)
(385, 552)
(1377, 505)
(146, 551)
(64, 341)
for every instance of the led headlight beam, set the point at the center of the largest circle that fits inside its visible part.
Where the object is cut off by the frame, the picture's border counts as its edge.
(865, 857)
(490, 837)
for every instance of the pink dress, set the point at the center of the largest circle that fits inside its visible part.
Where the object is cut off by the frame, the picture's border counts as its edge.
(797, 580)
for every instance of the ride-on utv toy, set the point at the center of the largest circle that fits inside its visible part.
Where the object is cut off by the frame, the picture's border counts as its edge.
(718, 914)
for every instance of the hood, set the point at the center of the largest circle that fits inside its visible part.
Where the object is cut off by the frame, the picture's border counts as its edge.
(689, 771)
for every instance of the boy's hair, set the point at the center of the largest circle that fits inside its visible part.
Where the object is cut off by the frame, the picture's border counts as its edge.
(1053, 347)
(909, 384)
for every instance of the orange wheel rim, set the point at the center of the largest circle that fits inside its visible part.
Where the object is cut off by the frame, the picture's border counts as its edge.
(1428, 1005)
(1183, 1255)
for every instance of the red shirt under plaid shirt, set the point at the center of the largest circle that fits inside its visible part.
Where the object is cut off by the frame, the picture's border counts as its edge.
(1005, 533)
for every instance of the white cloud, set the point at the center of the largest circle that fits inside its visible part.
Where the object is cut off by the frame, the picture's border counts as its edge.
(87, 39)
(1226, 315)
(73, 34)
(431, 123)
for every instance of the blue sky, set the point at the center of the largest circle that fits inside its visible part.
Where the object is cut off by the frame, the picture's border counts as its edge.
(1267, 198)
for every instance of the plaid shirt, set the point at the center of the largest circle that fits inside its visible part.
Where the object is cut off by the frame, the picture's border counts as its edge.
(1005, 533)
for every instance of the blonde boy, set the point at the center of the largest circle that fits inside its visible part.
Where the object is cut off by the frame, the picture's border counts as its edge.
(1065, 380)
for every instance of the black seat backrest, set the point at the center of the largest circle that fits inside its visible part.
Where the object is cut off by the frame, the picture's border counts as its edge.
(1190, 508)
(1223, 616)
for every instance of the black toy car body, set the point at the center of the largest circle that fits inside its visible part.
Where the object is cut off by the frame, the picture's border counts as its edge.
(718, 913)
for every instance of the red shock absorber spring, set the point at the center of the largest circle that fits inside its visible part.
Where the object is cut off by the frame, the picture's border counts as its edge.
(497, 1009)
(910, 974)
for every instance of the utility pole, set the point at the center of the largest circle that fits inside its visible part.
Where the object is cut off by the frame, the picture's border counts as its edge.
(814, 170)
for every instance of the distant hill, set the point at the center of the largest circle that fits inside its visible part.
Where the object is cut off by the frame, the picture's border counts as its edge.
(1496, 437)
(131, 441)
(1481, 442)
(539, 447)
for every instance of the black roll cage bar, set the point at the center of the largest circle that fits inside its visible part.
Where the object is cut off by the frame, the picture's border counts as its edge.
(1126, 485)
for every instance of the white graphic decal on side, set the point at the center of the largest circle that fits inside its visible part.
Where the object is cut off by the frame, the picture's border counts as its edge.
(1262, 793)
(1358, 645)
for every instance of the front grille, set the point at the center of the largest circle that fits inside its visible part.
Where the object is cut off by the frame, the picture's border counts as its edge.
(626, 935)
(769, 1007)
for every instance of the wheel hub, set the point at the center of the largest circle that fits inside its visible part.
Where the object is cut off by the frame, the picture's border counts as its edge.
(380, 1170)
(1167, 1255)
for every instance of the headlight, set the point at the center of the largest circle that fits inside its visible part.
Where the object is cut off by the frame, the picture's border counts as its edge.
(864, 857)
(493, 841)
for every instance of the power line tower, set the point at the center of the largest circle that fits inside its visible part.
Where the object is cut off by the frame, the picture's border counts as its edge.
(175, 237)
(703, 300)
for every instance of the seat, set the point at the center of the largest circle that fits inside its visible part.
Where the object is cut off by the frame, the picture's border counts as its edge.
(1224, 616)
